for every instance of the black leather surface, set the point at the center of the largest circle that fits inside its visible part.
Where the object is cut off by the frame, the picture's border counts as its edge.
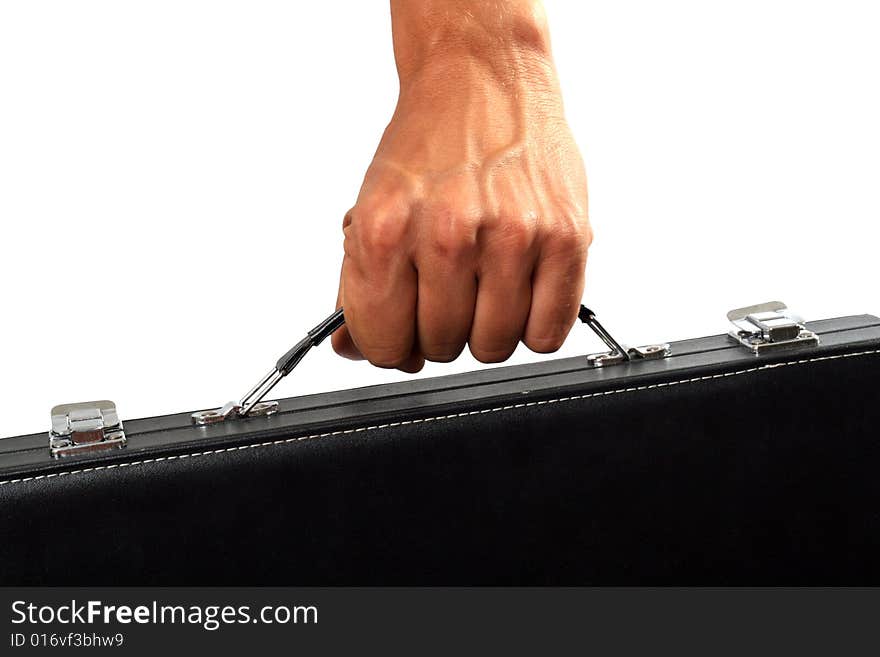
(732, 476)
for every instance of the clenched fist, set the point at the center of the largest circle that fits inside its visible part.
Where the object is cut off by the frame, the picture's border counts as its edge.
(471, 225)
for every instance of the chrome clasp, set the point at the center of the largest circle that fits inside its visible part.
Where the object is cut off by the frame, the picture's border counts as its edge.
(770, 326)
(85, 427)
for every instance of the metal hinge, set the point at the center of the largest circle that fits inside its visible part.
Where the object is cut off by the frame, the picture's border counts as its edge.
(618, 353)
(768, 327)
(85, 427)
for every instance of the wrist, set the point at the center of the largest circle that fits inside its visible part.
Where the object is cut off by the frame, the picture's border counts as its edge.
(454, 38)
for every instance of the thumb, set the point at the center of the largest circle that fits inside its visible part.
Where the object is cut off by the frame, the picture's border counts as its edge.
(341, 339)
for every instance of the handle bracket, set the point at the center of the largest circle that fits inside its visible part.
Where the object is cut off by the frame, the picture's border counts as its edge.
(252, 403)
(617, 352)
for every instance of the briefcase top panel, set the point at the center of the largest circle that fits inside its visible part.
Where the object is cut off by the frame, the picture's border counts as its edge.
(348, 410)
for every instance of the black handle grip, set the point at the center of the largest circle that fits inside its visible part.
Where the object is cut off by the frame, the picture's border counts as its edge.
(317, 335)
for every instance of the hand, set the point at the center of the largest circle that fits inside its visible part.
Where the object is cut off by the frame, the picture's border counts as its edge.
(471, 225)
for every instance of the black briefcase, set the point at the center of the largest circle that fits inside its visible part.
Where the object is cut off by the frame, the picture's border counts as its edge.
(746, 458)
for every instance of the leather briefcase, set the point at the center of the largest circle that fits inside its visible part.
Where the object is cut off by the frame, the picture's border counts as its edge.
(744, 458)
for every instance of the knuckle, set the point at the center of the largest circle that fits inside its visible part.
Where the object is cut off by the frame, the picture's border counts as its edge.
(583, 232)
(589, 235)
(519, 234)
(511, 234)
(379, 231)
(569, 236)
(346, 220)
(572, 229)
(451, 239)
(382, 235)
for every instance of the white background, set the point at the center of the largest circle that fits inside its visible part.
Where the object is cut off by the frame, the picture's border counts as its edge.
(173, 176)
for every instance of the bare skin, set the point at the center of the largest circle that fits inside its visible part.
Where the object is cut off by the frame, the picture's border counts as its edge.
(471, 225)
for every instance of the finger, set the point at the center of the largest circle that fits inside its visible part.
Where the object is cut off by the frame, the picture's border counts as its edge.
(447, 296)
(341, 339)
(503, 298)
(557, 289)
(447, 300)
(380, 289)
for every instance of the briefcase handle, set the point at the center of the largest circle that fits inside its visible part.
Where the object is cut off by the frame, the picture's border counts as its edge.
(252, 403)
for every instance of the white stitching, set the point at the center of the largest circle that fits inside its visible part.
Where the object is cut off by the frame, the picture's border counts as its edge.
(438, 418)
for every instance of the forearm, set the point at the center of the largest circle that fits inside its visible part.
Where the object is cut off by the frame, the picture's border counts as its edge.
(481, 63)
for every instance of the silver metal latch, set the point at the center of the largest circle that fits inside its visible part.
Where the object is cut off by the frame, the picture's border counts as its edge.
(85, 427)
(618, 353)
(768, 327)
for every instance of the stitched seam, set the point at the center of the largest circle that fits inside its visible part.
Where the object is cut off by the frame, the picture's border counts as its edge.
(439, 418)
